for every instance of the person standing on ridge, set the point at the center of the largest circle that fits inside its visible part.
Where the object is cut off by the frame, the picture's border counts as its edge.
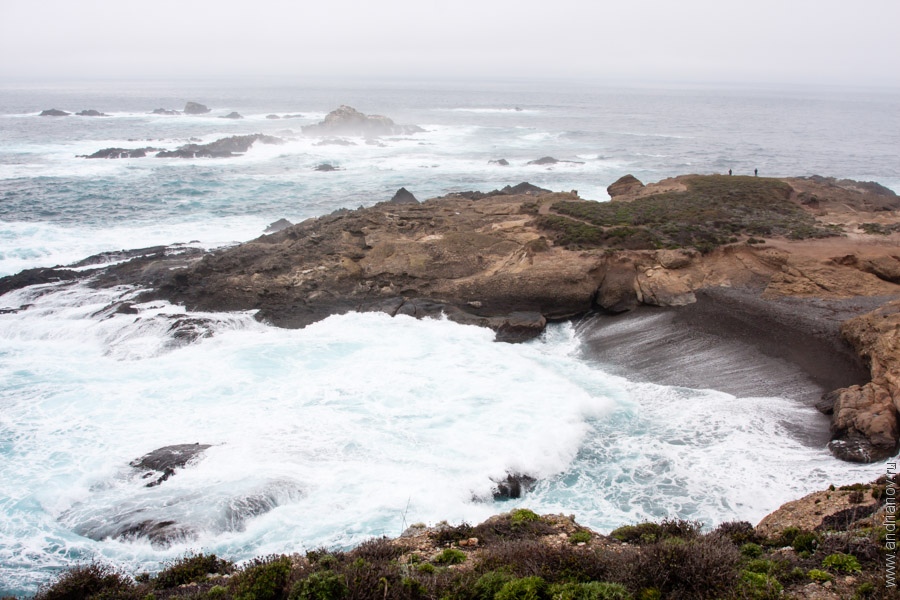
(756, 172)
(729, 171)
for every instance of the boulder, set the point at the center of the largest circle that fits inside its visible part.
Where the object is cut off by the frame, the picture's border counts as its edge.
(864, 424)
(53, 112)
(883, 267)
(195, 108)
(232, 115)
(346, 120)
(618, 290)
(518, 326)
(626, 184)
(402, 196)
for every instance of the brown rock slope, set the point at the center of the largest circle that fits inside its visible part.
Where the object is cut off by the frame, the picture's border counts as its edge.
(511, 261)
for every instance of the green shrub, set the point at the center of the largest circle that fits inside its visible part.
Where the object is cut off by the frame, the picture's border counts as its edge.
(594, 590)
(805, 542)
(523, 515)
(262, 578)
(819, 575)
(321, 585)
(764, 566)
(487, 586)
(844, 563)
(751, 550)
(759, 586)
(216, 592)
(189, 569)
(739, 532)
(705, 567)
(84, 581)
(526, 588)
(427, 568)
(580, 537)
(450, 556)
(640, 533)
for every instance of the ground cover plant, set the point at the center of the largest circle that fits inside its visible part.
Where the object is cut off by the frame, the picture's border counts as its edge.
(524, 556)
(713, 211)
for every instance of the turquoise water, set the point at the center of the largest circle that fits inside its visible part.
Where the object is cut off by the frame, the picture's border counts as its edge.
(362, 424)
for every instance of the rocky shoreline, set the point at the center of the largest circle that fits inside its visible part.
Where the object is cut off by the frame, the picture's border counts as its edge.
(791, 269)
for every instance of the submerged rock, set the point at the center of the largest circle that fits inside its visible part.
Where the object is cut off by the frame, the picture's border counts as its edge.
(514, 486)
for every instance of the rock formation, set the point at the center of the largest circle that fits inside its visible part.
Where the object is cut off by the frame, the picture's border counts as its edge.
(512, 259)
(91, 113)
(403, 197)
(54, 112)
(222, 148)
(232, 115)
(195, 108)
(346, 120)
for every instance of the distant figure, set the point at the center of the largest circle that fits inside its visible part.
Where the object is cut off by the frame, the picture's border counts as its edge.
(756, 172)
(729, 171)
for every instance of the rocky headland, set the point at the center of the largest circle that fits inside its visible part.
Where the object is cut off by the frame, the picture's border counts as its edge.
(802, 271)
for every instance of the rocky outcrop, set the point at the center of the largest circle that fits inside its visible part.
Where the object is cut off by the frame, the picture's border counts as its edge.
(500, 162)
(402, 196)
(549, 160)
(326, 168)
(488, 259)
(121, 153)
(195, 108)
(232, 115)
(54, 112)
(164, 111)
(222, 148)
(91, 113)
(627, 184)
(347, 121)
(278, 226)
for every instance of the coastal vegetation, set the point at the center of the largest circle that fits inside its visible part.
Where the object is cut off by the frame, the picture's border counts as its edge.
(525, 556)
(713, 211)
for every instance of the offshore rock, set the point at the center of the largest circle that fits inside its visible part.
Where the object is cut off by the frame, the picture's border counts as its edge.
(346, 120)
(121, 153)
(164, 111)
(232, 115)
(221, 148)
(195, 108)
(162, 462)
(514, 486)
(54, 112)
(91, 113)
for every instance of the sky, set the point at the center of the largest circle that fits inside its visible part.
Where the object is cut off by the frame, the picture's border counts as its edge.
(819, 42)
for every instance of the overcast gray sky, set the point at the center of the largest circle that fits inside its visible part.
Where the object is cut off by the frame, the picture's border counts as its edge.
(836, 42)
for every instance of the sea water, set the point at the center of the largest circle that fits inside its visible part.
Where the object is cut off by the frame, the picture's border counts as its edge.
(361, 425)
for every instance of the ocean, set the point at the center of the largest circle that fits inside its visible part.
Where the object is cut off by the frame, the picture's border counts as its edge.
(362, 424)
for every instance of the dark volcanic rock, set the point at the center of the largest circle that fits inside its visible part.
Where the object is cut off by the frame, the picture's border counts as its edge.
(195, 108)
(164, 111)
(514, 486)
(91, 113)
(349, 121)
(36, 277)
(232, 115)
(222, 148)
(121, 153)
(162, 462)
(624, 185)
(53, 112)
(521, 188)
(403, 197)
(278, 226)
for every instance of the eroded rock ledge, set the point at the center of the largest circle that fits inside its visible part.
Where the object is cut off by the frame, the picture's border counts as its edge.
(514, 259)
